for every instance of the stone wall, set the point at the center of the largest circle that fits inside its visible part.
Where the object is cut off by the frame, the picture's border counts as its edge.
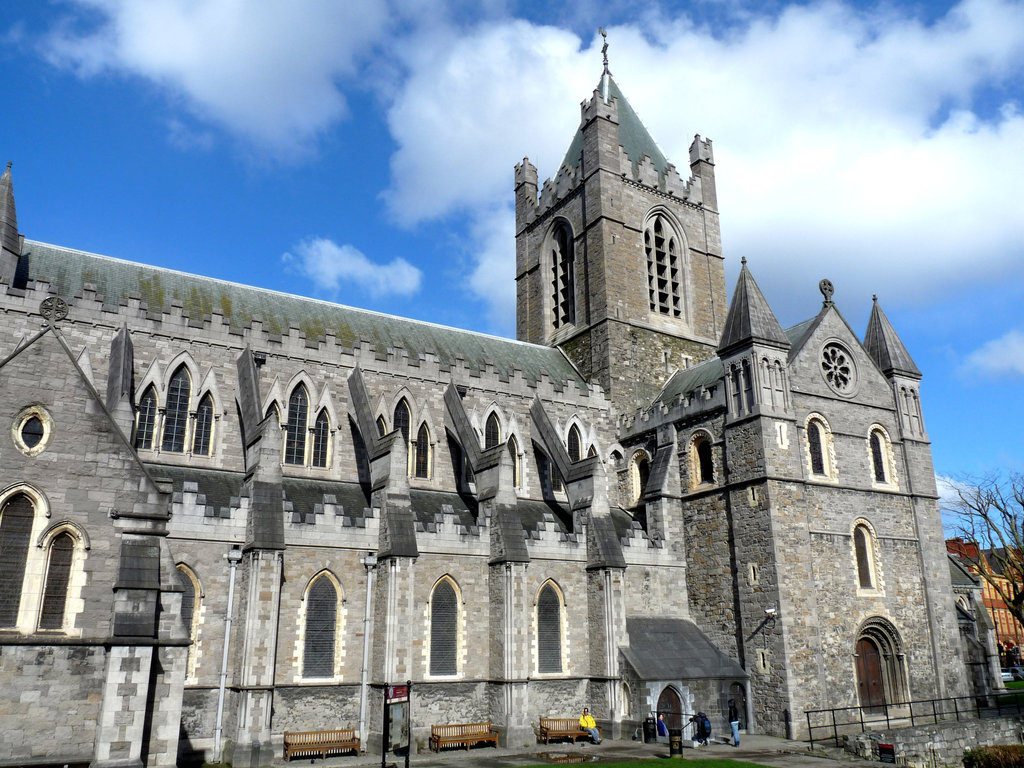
(941, 744)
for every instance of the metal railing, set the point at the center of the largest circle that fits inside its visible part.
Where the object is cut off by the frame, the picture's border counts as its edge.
(834, 723)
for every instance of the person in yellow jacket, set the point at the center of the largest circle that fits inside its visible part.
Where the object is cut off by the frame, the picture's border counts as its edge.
(587, 724)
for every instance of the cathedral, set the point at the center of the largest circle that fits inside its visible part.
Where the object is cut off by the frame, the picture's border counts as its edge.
(228, 513)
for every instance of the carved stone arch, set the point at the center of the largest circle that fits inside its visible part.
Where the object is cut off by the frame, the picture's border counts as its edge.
(154, 376)
(445, 611)
(275, 397)
(881, 456)
(827, 469)
(325, 400)
(321, 631)
(549, 638)
(558, 268)
(880, 664)
(867, 556)
(639, 471)
(304, 379)
(64, 526)
(209, 385)
(403, 393)
(185, 358)
(685, 293)
(703, 467)
(495, 412)
(574, 421)
(181, 564)
(39, 500)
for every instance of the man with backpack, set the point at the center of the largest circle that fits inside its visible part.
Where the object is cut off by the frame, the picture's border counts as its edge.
(701, 729)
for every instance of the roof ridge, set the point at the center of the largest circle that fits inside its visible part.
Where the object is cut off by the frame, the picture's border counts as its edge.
(245, 286)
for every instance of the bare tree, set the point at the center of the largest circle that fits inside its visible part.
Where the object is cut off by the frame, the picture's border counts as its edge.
(990, 516)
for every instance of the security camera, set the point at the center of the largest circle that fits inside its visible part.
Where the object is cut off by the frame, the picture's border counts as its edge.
(770, 612)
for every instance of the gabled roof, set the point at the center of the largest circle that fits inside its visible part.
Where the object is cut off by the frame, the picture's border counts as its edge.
(885, 347)
(633, 135)
(8, 216)
(750, 318)
(68, 271)
(675, 649)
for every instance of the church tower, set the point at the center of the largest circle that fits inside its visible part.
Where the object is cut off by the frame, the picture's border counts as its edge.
(619, 261)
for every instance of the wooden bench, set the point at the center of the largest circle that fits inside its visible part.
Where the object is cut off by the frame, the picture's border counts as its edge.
(562, 728)
(304, 743)
(462, 733)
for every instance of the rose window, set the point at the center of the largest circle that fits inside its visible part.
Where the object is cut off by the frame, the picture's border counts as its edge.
(837, 368)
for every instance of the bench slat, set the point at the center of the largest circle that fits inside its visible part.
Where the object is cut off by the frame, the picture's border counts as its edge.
(465, 734)
(302, 743)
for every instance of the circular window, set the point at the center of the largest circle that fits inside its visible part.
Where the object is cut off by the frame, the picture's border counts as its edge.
(31, 430)
(838, 369)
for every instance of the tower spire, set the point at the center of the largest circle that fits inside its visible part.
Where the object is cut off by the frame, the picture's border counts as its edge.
(606, 74)
(10, 240)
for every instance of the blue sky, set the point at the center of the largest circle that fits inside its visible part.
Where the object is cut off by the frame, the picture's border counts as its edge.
(362, 152)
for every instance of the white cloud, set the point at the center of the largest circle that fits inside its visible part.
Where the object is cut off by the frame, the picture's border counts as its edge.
(492, 233)
(332, 266)
(998, 358)
(266, 71)
(849, 144)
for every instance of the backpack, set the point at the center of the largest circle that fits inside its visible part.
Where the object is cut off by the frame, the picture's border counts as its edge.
(705, 725)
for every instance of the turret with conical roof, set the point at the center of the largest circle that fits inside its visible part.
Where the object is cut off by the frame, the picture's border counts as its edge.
(886, 348)
(10, 239)
(750, 318)
(619, 262)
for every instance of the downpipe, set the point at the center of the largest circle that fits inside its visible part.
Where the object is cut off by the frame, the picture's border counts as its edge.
(233, 556)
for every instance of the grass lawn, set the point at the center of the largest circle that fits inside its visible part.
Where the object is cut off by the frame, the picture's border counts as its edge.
(666, 763)
(1015, 685)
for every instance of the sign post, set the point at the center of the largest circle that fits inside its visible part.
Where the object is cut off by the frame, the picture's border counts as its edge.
(397, 722)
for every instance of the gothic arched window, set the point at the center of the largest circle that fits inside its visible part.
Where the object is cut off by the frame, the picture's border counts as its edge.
(202, 436)
(58, 579)
(145, 423)
(575, 444)
(382, 427)
(444, 629)
(549, 630)
(513, 452)
(295, 433)
(191, 600)
(422, 459)
(703, 466)
(492, 431)
(816, 447)
(321, 626)
(321, 438)
(664, 267)
(563, 266)
(179, 391)
(863, 546)
(15, 531)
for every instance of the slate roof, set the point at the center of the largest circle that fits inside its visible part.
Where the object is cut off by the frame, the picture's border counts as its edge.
(959, 575)
(675, 649)
(885, 347)
(427, 505)
(796, 333)
(687, 380)
(633, 135)
(68, 270)
(750, 318)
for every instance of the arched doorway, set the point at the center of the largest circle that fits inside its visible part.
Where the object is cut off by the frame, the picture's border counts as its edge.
(880, 665)
(671, 706)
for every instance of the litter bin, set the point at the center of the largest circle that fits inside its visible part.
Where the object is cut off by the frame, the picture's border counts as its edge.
(675, 742)
(650, 731)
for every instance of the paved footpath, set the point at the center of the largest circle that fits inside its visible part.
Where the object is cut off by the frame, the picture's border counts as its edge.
(764, 750)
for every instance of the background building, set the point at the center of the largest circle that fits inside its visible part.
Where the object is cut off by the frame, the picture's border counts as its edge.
(655, 500)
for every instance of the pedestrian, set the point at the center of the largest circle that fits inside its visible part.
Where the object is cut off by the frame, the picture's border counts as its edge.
(588, 724)
(734, 722)
(662, 728)
(701, 729)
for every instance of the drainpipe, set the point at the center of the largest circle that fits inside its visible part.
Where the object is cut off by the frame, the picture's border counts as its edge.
(370, 564)
(234, 557)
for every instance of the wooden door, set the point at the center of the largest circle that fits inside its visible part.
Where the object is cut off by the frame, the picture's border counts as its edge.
(869, 675)
(671, 707)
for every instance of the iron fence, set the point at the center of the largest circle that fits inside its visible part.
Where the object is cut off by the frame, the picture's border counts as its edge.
(823, 724)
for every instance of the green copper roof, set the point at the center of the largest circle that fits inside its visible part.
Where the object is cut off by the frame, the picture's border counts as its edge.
(115, 281)
(686, 380)
(633, 136)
